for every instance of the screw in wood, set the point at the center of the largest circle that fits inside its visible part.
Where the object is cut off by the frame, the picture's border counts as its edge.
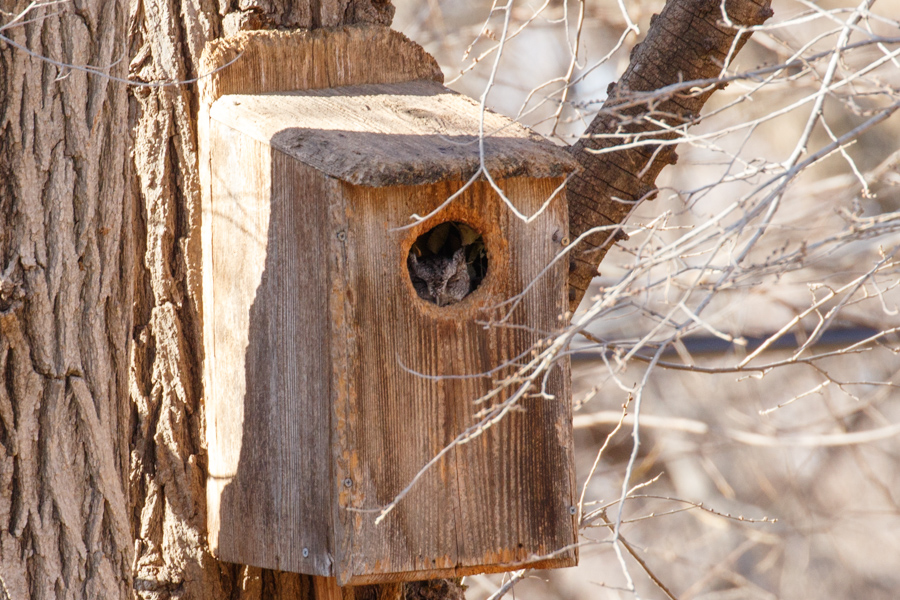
(559, 238)
(348, 482)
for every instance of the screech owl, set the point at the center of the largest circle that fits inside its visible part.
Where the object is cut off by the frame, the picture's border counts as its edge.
(440, 279)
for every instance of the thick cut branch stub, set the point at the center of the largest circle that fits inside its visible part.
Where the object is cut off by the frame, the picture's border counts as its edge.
(690, 40)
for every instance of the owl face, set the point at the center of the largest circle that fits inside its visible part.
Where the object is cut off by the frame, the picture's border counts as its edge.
(440, 279)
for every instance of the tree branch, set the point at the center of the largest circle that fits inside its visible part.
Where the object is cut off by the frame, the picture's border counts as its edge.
(690, 40)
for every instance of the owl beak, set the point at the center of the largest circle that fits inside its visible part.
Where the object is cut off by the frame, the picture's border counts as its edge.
(440, 294)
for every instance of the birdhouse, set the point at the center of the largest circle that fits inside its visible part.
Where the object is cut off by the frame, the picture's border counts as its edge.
(371, 305)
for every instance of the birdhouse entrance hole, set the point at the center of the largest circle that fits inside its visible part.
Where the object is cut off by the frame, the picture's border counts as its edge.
(447, 263)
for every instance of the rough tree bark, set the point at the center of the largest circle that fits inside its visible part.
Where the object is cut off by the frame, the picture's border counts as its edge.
(65, 307)
(687, 41)
(101, 456)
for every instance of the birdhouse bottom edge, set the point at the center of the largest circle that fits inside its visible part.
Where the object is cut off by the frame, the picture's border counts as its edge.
(462, 571)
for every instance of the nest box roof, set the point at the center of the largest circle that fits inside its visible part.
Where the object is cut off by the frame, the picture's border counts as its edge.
(411, 133)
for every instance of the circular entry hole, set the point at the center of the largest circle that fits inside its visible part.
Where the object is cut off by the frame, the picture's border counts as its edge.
(447, 263)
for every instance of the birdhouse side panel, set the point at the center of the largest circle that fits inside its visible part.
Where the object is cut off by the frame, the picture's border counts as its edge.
(268, 376)
(437, 398)
(233, 223)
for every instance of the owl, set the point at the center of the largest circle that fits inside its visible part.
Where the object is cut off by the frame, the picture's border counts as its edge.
(440, 279)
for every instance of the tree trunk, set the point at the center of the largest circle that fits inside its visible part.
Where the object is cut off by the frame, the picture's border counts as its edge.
(65, 306)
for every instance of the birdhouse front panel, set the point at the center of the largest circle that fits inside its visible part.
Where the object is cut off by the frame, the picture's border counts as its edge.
(432, 399)
(355, 363)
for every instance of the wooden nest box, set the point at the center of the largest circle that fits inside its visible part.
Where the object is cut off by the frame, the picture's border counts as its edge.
(336, 371)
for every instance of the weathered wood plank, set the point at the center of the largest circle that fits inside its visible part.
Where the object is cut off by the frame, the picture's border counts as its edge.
(503, 497)
(235, 232)
(271, 61)
(521, 471)
(268, 409)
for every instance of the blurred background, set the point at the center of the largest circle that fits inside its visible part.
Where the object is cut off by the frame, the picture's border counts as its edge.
(752, 314)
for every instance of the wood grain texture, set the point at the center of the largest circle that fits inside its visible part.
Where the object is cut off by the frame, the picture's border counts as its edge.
(257, 62)
(501, 499)
(268, 408)
(409, 133)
